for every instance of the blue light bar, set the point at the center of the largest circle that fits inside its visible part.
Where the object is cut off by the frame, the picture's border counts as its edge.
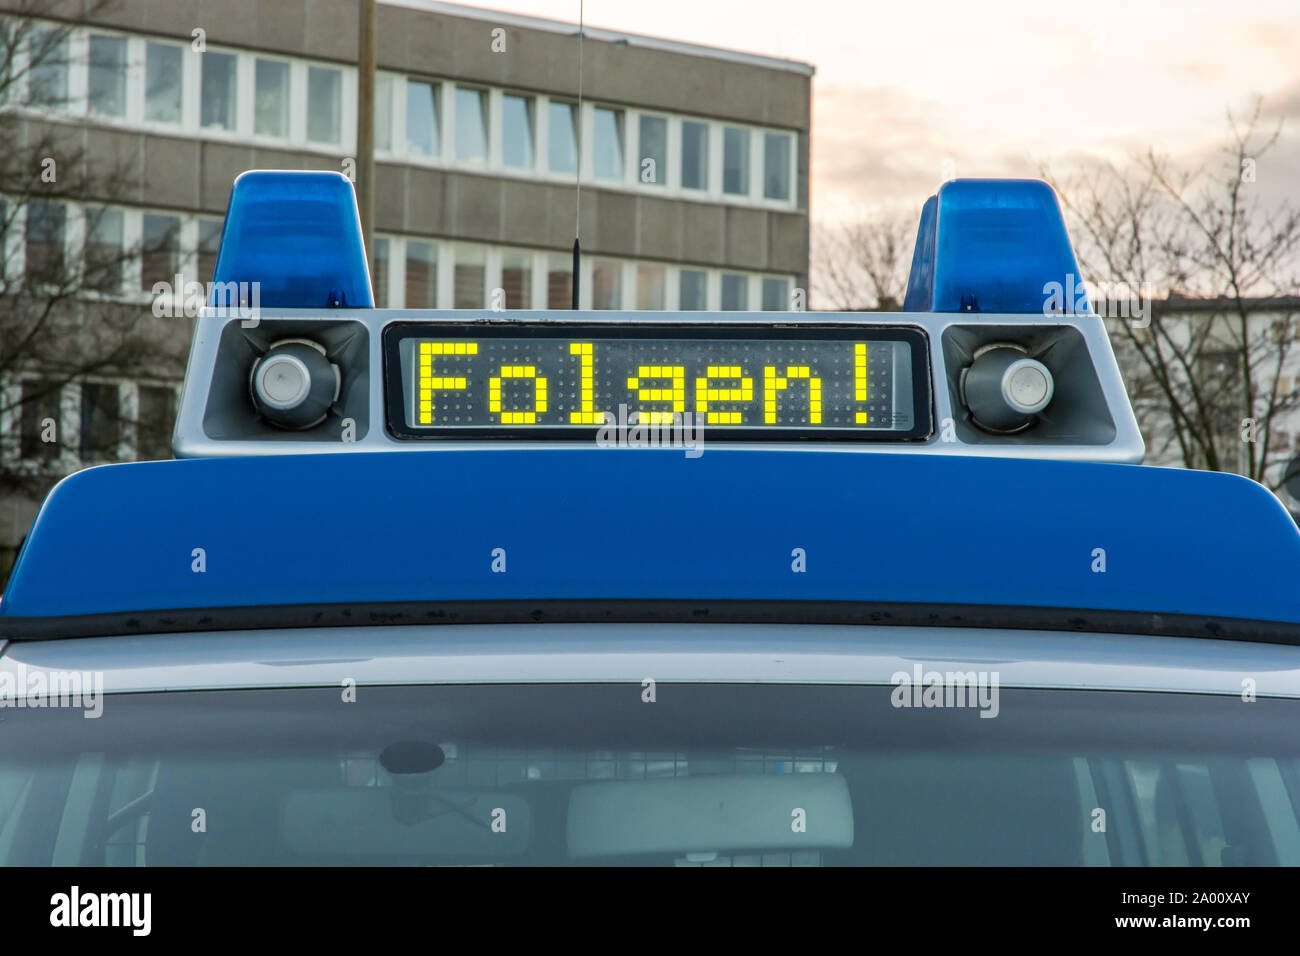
(928, 531)
(297, 235)
(992, 245)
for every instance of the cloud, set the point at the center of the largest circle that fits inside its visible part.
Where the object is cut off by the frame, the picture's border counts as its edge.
(876, 145)
(1283, 104)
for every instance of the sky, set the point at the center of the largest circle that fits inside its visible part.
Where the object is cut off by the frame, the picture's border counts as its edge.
(907, 89)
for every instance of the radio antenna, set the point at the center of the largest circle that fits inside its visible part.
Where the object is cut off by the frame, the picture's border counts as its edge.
(577, 175)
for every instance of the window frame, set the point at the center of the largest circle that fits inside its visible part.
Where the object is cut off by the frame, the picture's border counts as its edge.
(235, 86)
(664, 180)
(288, 98)
(590, 152)
(575, 120)
(125, 79)
(339, 77)
(438, 101)
(745, 168)
(188, 77)
(483, 96)
(705, 190)
(531, 107)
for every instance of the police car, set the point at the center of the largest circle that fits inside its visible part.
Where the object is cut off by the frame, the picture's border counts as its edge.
(689, 589)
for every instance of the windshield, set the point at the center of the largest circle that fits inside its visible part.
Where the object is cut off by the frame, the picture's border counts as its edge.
(629, 774)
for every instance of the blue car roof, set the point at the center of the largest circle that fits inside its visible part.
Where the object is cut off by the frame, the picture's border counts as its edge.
(561, 534)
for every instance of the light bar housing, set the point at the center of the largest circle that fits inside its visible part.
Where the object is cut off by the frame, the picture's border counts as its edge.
(1089, 418)
(987, 253)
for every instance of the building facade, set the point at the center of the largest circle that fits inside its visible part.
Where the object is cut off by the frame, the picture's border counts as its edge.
(693, 162)
(1215, 384)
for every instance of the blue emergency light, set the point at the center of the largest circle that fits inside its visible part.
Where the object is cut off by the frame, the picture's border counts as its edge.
(987, 245)
(971, 461)
(296, 238)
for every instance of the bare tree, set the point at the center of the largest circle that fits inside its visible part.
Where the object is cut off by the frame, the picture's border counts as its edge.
(862, 264)
(67, 316)
(1211, 365)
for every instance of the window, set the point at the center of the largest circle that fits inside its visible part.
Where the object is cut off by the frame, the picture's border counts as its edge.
(421, 275)
(384, 111)
(219, 91)
(324, 104)
(562, 145)
(735, 161)
(559, 281)
(469, 278)
(517, 279)
(101, 422)
(271, 98)
(105, 243)
(47, 77)
(160, 257)
(40, 421)
(652, 168)
(776, 166)
(379, 273)
(471, 125)
(106, 92)
(1155, 803)
(775, 296)
(157, 414)
(650, 288)
(209, 244)
(162, 67)
(421, 118)
(517, 132)
(607, 133)
(693, 290)
(606, 284)
(1185, 777)
(695, 155)
(46, 222)
(1205, 820)
(1218, 373)
(735, 293)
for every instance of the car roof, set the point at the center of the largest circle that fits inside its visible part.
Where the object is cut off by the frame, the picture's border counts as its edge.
(666, 653)
(495, 534)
